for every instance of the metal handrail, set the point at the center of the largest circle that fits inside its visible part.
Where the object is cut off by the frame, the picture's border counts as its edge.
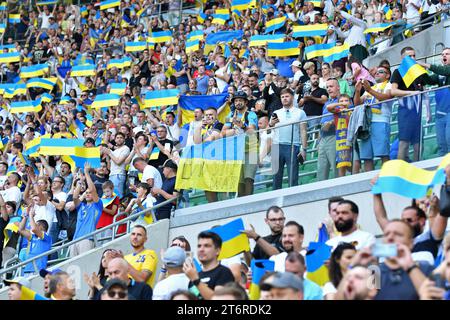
(85, 237)
(418, 24)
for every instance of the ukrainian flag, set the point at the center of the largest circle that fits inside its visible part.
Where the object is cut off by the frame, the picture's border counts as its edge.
(233, 240)
(220, 18)
(192, 46)
(135, 46)
(48, 83)
(2, 28)
(259, 268)
(119, 63)
(161, 36)
(222, 11)
(310, 30)
(15, 90)
(83, 155)
(11, 227)
(10, 57)
(106, 100)
(10, 47)
(284, 49)
(262, 40)
(379, 27)
(28, 294)
(32, 147)
(201, 17)
(318, 253)
(36, 70)
(402, 178)
(188, 104)
(195, 35)
(46, 97)
(387, 12)
(318, 50)
(107, 201)
(336, 53)
(275, 24)
(410, 70)
(57, 147)
(242, 5)
(46, 2)
(316, 3)
(109, 4)
(25, 106)
(160, 98)
(3, 6)
(83, 11)
(118, 88)
(212, 166)
(14, 18)
(64, 100)
(83, 70)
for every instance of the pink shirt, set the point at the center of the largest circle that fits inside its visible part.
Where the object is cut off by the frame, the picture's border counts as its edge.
(363, 74)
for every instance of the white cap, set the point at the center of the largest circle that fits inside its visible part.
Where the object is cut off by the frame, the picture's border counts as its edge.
(296, 63)
(273, 71)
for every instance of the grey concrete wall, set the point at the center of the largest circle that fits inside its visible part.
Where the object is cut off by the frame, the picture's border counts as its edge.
(89, 261)
(423, 42)
(305, 204)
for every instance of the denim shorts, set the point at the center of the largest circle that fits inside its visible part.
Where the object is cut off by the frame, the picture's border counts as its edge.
(377, 145)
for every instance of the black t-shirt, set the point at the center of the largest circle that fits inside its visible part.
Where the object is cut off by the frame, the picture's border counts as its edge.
(416, 85)
(98, 182)
(164, 211)
(218, 276)
(313, 108)
(161, 157)
(140, 290)
(3, 225)
(72, 220)
(274, 240)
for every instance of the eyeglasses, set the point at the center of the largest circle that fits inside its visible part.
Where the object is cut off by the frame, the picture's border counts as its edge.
(277, 220)
(120, 294)
(409, 220)
(381, 71)
(57, 181)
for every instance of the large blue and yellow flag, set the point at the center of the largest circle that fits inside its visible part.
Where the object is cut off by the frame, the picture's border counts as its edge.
(25, 106)
(212, 166)
(220, 18)
(410, 70)
(192, 45)
(262, 40)
(28, 294)
(46, 97)
(318, 50)
(11, 227)
(119, 63)
(2, 27)
(9, 57)
(46, 2)
(242, 5)
(118, 88)
(135, 46)
(106, 100)
(83, 70)
(387, 12)
(109, 4)
(160, 98)
(36, 70)
(14, 18)
(405, 179)
(275, 24)
(283, 49)
(213, 39)
(48, 83)
(3, 6)
(233, 240)
(336, 53)
(259, 268)
(13, 90)
(195, 35)
(160, 36)
(311, 30)
(32, 147)
(56, 147)
(378, 27)
(189, 103)
(318, 253)
(83, 155)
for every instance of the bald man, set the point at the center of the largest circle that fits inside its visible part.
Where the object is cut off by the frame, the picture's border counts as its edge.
(118, 269)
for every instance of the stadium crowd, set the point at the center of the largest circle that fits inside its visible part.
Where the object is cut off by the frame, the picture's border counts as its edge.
(46, 196)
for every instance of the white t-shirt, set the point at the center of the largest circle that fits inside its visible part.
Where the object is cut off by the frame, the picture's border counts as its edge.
(45, 23)
(360, 239)
(220, 83)
(123, 151)
(12, 194)
(280, 260)
(328, 288)
(173, 132)
(3, 180)
(232, 260)
(132, 168)
(47, 213)
(164, 289)
(150, 172)
(263, 140)
(61, 197)
(411, 11)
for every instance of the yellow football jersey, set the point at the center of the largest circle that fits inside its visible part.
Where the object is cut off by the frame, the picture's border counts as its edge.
(144, 260)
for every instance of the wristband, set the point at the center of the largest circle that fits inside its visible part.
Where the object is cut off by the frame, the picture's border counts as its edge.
(408, 271)
(196, 282)
(163, 270)
(257, 238)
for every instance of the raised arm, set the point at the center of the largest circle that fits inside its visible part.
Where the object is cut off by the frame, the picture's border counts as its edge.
(90, 183)
(378, 207)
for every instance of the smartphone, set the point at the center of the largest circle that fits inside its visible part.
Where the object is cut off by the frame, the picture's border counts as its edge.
(189, 257)
(384, 250)
(439, 281)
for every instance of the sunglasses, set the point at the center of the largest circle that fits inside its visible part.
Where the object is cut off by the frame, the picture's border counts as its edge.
(120, 294)
(381, 71)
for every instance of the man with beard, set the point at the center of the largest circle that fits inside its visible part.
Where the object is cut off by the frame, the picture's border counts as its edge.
(355, 285)
(244, 121)
(61, 286)
(271, 244)
(312, 101)
(292, 240)
(427, 241)
(345, 222)
(142, 262)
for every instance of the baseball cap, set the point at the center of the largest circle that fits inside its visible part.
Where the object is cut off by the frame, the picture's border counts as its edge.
(296, 63)
(283, 280)
(115, 282)
(174, 257)
(20, 280)
(273, 71)
(90, 140)
(44, 272)
(170, 164)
